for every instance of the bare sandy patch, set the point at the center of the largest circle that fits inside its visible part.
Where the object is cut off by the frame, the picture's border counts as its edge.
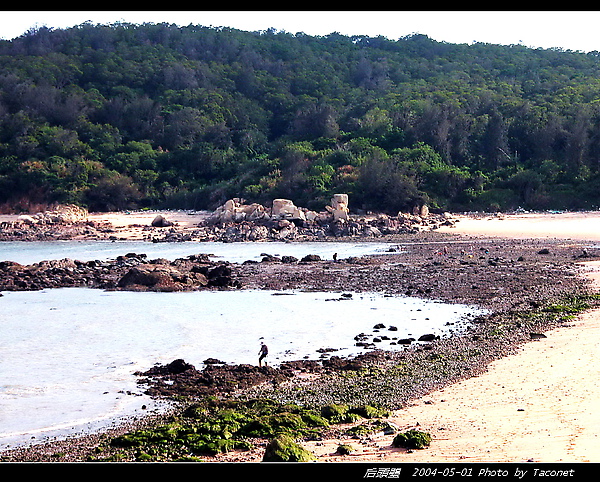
(132, 225)
(576, 226)
(124, 219)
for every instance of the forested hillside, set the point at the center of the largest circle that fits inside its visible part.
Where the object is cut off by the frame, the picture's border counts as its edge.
(128, 116)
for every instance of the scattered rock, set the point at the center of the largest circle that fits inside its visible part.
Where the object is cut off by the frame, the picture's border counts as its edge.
(131, 272)
(161, 222)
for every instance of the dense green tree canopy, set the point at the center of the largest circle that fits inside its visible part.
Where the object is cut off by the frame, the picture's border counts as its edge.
(123, 116)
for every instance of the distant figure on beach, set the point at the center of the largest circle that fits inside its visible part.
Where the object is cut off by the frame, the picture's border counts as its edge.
(335, 256)
(263, 352)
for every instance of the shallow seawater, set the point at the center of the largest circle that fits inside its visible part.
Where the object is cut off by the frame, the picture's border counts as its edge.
(69, 355)
(35, 251)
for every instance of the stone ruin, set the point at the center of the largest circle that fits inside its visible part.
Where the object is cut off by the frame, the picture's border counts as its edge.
(339, 207)
(285, 220)
(235, 211)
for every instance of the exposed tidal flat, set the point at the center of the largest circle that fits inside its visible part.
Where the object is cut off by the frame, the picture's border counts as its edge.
(514, 280)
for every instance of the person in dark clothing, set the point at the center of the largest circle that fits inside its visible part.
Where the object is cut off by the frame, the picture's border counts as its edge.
(263, 352)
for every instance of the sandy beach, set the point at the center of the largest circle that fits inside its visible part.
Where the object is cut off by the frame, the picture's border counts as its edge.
(136, 219)
(132, 225)
(539, 405)
(574, 226)
(536, 406)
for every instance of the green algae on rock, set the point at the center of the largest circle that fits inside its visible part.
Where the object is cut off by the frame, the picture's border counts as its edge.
(283, 448)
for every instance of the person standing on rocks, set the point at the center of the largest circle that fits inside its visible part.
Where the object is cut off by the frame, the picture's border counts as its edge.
(263, 352)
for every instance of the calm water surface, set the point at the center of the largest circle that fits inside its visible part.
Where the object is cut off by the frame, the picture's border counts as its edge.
(35, 251)
(68, 355)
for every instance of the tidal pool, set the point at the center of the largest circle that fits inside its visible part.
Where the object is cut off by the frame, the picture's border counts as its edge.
(69, 355)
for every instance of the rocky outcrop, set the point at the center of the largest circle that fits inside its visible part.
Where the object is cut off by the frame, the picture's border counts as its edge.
(235, 211)
(286, 209)
(63, 214)
(61, 223)
(180, 378)
(159, 278)
(177, 276)
(421, 210)
(236, 221)
(132, 272)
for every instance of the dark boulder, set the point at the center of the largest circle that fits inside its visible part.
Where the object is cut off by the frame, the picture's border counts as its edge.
(310, 258)
(220, 276)
(142, 276)
(161, 278)
(174, 368)
(161, 222)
